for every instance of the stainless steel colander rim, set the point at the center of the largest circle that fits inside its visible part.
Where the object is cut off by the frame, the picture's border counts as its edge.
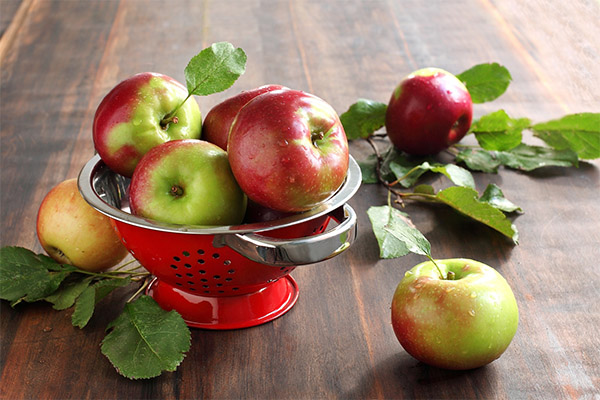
(92, 173)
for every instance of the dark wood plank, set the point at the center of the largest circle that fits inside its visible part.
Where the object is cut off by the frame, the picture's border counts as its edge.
(58, 60)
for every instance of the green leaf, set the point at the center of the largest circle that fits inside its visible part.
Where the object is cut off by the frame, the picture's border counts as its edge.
(494, 196)
(465, 200)
(68, 292)
(577, 132)
(527, 158)
(146, 340)
(86, 302)
(363, 118)
(498, 131)
(84, 307)
(27, 276)
(395, 233)
(214, 69)
(479, 160)
(485, 82)
(368, 169)
(456, 174)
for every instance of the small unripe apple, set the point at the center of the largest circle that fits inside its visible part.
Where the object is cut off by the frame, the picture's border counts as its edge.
(429, 111)
(72, 232)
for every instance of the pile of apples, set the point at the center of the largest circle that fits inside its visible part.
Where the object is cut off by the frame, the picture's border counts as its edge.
(261, 154)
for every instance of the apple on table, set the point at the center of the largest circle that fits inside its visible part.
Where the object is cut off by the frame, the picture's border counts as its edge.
(139, 113)
(462, 319)
(288, 150)
(429, 111)
(73, 232)
(187, 182)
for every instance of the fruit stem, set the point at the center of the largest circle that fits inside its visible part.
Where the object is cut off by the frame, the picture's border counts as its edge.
(450, 277)
(140, 290)
(176, 191)
(170, 117)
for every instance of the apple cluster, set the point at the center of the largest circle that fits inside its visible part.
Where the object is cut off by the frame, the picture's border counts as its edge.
(283, 150)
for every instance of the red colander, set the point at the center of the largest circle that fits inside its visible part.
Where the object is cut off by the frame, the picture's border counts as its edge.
(225, 277)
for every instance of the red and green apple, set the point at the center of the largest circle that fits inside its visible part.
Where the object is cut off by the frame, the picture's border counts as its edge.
(72, 232)
(216, 125)
(464, 319)
(429, 111)
(187, 182)
(140, 113)
(288, 150)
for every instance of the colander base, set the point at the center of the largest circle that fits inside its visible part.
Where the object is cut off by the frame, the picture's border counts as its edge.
(227, 312)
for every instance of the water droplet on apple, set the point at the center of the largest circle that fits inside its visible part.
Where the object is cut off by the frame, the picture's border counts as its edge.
(291, 179)
(473, 295)
(137, 121)
(472, 313)
(283, 143)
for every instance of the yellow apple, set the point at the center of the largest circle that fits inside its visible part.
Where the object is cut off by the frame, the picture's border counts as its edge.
(72, 232)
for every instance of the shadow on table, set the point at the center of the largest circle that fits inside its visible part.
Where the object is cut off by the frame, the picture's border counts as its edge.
(401, 376)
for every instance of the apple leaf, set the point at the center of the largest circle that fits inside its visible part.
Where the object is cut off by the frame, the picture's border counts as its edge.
(577, 132)
(145, 340)
(497, 131)
(368, 169)
(363, 118)
(478, 160)
(494, 196)
(27, 276)
(527, 158)
(86, 302)
(465, 200)
(485, 82)
(214, 69)
(408, 176)
(68, 292)
(395, 233)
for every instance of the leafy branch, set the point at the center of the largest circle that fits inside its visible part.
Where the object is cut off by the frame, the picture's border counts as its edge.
(500, 143)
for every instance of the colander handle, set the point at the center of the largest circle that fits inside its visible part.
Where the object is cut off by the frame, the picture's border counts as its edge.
(305, 250)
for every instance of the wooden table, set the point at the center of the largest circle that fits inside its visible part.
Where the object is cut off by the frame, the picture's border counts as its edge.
(58, 60)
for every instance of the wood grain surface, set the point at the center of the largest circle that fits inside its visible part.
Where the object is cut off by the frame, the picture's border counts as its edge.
(59, 58)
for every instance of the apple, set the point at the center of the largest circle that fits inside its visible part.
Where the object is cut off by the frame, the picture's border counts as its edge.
(462, 321)
(429, 111)
(72, 232)
(135, 116)
(288, 150)
(215, 128)
(188, 182)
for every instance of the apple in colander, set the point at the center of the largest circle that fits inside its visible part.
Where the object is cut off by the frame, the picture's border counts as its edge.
(288, 150)
(216, 125)
(135, 116)
(187, 182)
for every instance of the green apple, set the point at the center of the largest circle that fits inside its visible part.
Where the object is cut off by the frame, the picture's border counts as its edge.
(463, 320)
(72, 232)
(187, 182)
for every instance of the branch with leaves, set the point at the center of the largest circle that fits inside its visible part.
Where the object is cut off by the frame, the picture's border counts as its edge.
(569, 139)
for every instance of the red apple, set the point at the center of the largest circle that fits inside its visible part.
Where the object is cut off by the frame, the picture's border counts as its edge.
(288, 150)
(72, 232)
(258, 213)
(130, 120)
(187, 182)
(429, 111)
(215, 128)
(463, 320)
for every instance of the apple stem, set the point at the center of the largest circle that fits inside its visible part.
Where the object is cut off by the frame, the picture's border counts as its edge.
(176, 191)
(170, 117)
(450, 277)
